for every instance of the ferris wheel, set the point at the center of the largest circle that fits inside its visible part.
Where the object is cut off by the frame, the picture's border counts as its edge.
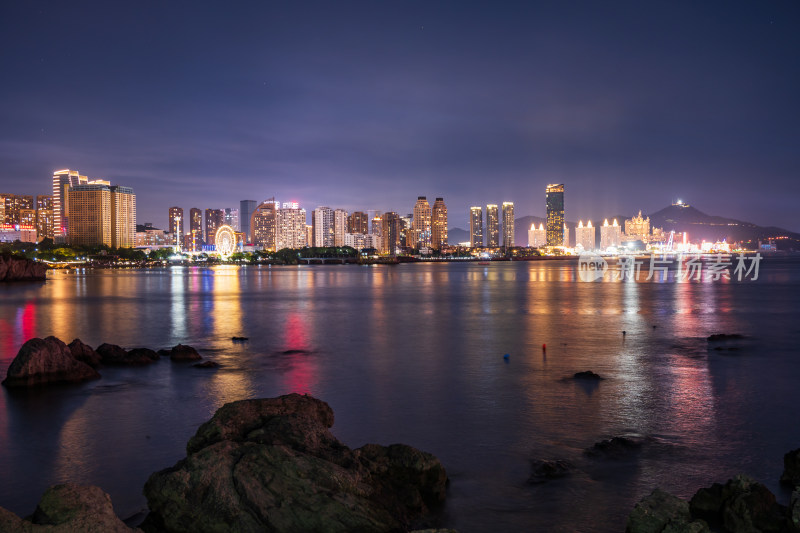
(225, 240)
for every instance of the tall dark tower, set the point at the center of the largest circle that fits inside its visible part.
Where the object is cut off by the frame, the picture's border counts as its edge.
(555, 215)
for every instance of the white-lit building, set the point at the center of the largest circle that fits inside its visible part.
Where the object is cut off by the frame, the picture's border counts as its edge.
(610, 235)
(339, 226)
(584, 236)
(291, 227)
(537, 237)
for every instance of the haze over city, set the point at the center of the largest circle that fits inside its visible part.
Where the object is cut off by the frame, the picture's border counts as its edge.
(368, 105)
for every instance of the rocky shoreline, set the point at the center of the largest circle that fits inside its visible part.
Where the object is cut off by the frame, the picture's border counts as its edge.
(264, 465)
(741, 505)
(15, 268)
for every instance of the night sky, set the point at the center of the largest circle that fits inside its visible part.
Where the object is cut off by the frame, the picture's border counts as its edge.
(368, 105)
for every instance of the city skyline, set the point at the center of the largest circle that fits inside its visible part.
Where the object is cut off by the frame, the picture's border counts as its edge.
(361, 107)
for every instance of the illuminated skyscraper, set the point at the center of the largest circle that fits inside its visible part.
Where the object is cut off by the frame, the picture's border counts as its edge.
(421, 224)
(584, 236)
(246, 208)
(476, 227)
(291, 227)
(537, 237)
(508, 224)
(610, 235)
(264, 225)
(214, 219)
(439, 224)
(492, 226)
(390, 233)
(123, 217)
(339, 226)
(90, 215)
(357, 222)
(555, 215)
(322, 219)
(62, 180)
(44, 217)
(176, 225)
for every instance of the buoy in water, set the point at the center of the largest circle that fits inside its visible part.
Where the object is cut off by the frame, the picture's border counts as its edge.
(623, 332)
(544, 347)
(506, 356)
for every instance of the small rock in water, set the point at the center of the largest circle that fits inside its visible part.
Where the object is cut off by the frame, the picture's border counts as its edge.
(207, 364)
(543, 471)
(588, 374)
(182, 352)
(240, 339)
(614, 448)
(717, 337)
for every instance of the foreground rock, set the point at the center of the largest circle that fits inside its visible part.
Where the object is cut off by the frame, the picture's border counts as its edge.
(45, 361)
(791, 468)
(273, 465)
(68, 509)
(661, 512)
(13, 268)
(740, 505)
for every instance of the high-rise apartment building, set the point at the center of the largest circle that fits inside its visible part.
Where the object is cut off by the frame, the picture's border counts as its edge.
(357, 222)
(537, 237)
(89, 215)
(291, 227)
(508, 225)
(16, 209)
(246, 208)
(390, 232)
(322, 219)
(176, 225)
(214, 219)
(610, 235)
(264, 225)
(476, 227)
(195, 229)
(232, 218)
(123, 217)
(62, 180)
(439, 224)
(339, 226)
(421, 223)
(584, 236)
(555, 215)
(376, 225)
(44, 217)
(492, 226)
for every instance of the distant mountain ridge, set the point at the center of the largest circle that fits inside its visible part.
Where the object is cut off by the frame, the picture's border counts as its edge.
(679, 218)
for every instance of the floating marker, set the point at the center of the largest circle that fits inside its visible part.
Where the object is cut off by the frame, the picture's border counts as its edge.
(506, 356)
(544, 347)
(623, 332)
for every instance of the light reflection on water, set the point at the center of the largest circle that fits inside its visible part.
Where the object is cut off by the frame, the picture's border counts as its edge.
(414, 353)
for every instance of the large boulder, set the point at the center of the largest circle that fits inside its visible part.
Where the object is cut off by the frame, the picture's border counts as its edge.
(14, 268)
(85, 353)
(273, 465)
(68, 509)
(791, 468)
(661, 512)
(44, 361)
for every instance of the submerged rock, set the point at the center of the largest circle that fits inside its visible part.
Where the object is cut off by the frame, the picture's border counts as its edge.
(85, 353)
(543, 471)
(182, 352)
(615, 447)
(207, 364)
(44, 361)
(111, 354)
(791, 468)
(14, 268)
(68, 509)
(661, 512)
(717, 337)
(273, 465)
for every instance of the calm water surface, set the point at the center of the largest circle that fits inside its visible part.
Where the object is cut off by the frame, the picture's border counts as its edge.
(414, 353)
